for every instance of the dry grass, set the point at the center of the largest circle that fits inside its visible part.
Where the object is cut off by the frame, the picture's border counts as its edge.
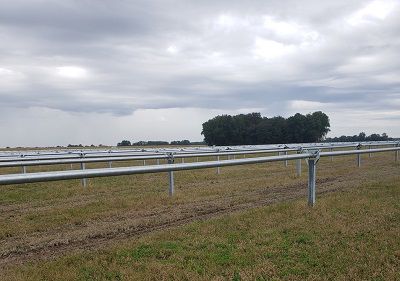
(283, 241)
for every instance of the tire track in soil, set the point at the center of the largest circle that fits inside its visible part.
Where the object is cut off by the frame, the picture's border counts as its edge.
(200, 212)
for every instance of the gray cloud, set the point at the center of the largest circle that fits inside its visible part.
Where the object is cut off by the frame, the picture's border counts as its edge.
(114, 58)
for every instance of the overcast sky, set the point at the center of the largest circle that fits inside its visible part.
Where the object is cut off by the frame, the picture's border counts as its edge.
(94, 72)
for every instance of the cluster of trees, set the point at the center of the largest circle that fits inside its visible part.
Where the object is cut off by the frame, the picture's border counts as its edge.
(79, 145)
(75, 145)
(182, 142)
(252, 128)
(154, 143)
(142, 143)
(360, 137)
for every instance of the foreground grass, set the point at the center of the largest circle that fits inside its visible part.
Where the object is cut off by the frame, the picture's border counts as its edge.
(350, 235)
(44, 210)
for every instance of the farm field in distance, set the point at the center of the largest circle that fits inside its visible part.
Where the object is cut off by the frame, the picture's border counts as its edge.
(250, 222)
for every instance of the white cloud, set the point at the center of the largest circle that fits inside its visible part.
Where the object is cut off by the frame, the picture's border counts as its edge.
(10, 79)
(290, 30)
(270, 50)
(5, 71)
(360, 64)
(228, 22)
(304, 105)
(172, 49)
(73, 72)
(374, 11)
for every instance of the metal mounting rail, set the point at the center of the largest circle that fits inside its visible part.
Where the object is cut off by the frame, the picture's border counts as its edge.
(93, 153)
(26, 161)
(312, 156)
(105, 172)
(86, 159)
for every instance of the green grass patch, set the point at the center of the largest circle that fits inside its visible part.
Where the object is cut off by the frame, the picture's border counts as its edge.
(352, 235)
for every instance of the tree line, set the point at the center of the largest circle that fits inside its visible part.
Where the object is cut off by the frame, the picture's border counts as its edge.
(252, 128)
(360, 137)
(154, 143)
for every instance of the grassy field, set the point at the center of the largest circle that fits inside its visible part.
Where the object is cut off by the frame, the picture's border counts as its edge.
(248, 223)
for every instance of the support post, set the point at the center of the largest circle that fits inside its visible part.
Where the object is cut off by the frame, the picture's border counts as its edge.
(369, 154)
(286, 162)
(359, 156)
(218, 168)
(311, 182)
(312, 174)
(183, 160)
(331, 156)
(144, 162)
(109, 162)
(23, 167)
(298, 163)
(396, 156)
(84, 180)
(171, 175)
(158, 161)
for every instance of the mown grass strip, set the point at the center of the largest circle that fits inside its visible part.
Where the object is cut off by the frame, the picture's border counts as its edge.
(349, 235)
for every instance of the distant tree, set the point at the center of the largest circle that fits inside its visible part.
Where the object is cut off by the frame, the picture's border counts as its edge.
(272, 130)
(140, 143)
(299, 128)
(157, 143)
(374, 137)
(124, 143)
(360, 137)
(197, 143)
(245, 125)
(252, 128)
(219, 130)
(182, 142)
(318, 126)
(75, 145)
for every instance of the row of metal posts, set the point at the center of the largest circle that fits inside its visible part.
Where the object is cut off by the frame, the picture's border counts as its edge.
(218, 158)
(170, 161)
(311, 175)
(311, 168)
